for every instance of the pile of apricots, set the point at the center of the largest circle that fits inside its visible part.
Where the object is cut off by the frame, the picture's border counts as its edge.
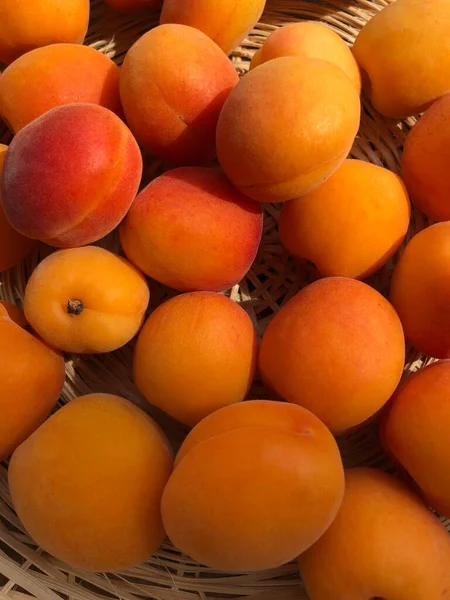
(256, 483)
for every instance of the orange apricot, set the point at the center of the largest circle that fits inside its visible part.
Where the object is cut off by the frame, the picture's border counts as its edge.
(86, 300)
(87, 484)
(55, 75)
(352, 224)
(277, 154)
(312, 39)
(259, 483)
(420, 290)
(31, 380)
(192, 230)
(71, 175)
(337, 348)
(173, 112)
(195, 354)
(227, 23)
(33, 23)
(384, 543)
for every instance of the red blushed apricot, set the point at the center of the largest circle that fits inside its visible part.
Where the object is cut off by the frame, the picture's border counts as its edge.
(71, 175)
(195, 354)
(14, 247)
(425, 161)
(415, 432)
(257, 483)
(337, 348)
(173, 111)
(192, 230)
(286, 127)
(420, 290)
(227, 23)
(34, 23)
(55, 75)
(31, 381)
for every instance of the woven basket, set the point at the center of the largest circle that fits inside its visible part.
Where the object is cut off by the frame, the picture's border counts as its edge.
(26, 570)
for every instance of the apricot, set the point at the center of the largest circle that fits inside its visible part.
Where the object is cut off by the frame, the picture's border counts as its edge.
(194, 355)
(258, 482)
(14, 247)
(173, 84)
(425, 163)
(404, 55)
(55, 75)
(86, 300)
(352, 224)
(336, 348)
(286, 127)
(192, 230)
(133, 5)
(12, 311)
(420, 290)
(228, 23)
(414, 431)
(384, 543)
(311, 39)
(87, 484)
(71, 175)
(31, 380)
(32, 24)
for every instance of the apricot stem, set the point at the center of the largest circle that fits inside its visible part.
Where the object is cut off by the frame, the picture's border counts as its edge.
(75, 307)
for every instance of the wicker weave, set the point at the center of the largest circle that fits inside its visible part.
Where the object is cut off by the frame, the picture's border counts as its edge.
(273, 279)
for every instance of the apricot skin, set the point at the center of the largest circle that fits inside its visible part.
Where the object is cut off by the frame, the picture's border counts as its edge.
(425, 163)
(336, 348)
(173, 112)
(81, 153)
(222, 504)
(14, 247)
(277, 155)
(420, 290)
(31, 380)
(55, 75)
(404, 54)
(195, 354)
(191, 230)
(384, 543)
(311, 39)
(87, 484)
(86, 300)
(414, 431)
(32, 24)
(352, 224)
(227, 24)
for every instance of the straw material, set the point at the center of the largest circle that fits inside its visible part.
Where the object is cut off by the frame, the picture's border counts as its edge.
(274, 278)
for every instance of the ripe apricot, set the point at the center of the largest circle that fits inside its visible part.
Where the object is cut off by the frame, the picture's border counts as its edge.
(336, 348)
(173, 112)
(86, 300)
(404, 55)
(425, 163)
(286, 127)
(351, 224)
(259, 483)
(227, 23)
(31, 380)
(14, 247)
(420, 290)
(55, 75)
(192, 230)
(32, 24)
(87, 484)
(134, 5)
(311, 39)
(414, 431)
(195, 354)
(384, 543)
(70, 176)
